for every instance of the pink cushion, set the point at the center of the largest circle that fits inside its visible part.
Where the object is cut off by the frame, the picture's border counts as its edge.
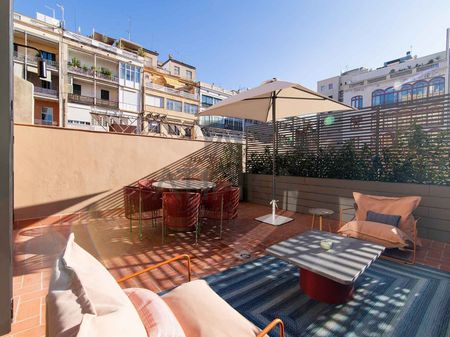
(403, 206)
(158, 319)
(385, 235)
(85, 300)
(203, 313)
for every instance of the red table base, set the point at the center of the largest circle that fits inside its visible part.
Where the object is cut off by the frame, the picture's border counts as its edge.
(323, 289)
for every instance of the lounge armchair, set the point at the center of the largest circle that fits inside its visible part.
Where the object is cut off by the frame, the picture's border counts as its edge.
(85, 300)
(388, 221)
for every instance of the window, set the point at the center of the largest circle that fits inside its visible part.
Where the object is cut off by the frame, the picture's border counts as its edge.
(357, 102)
(45, 84)
(208, 101)
(437, 86)
(420, 89)
(176, 70)
(155, 101)
(48, 56)
(137, 76)
(330, 86)
(174, 105)
(189, 74)
(190, 108)
(104, 94)
(47, 115)
(322, 88)
(76, 89)
(122, 71)
(378, 97)
(405, 93)
(390, 96)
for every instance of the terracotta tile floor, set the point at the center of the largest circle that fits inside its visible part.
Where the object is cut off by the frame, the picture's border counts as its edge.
(36, 248)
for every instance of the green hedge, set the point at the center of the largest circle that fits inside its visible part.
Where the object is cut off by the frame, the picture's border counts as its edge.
(416, 158)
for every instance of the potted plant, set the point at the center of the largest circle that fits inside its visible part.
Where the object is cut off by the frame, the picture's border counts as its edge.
(76, 62)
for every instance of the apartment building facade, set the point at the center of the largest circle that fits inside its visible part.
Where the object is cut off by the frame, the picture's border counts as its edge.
(171, 96)
(45, 35)
(400, 80)
(100, 83)
(103, 83)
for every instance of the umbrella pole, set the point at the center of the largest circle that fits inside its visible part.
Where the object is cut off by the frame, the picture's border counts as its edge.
(274, 151)
(273, 218)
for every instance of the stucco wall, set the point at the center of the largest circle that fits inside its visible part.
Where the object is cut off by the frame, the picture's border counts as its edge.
(60, 171)
(23, 101)
(299, 194)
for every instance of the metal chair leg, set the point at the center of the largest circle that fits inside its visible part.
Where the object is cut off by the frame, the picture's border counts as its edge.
(221, 220)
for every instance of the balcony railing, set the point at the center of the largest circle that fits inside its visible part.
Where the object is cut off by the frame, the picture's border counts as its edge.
(107, 103)
(110, 77)
(74, 98)
(88, 100)
(171, 91)
(19, 56)
(44, 122)
(82, 71)
(32, 59)
(50, 63)
(46, 92)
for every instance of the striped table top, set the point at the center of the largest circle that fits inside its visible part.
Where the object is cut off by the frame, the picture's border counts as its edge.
(343, 263)
(184, 185)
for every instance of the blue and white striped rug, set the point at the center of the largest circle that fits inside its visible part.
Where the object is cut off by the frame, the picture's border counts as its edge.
(390, 300)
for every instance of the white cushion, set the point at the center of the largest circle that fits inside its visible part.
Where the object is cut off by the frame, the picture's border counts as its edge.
(85, 300)
(203, 313)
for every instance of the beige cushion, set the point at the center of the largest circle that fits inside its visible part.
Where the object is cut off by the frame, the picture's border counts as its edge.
(158, 319)
(385, 235)
(203, 313)
(85, 300)
(403, 206)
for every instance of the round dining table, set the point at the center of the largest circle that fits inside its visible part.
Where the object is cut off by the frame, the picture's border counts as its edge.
(184, 185)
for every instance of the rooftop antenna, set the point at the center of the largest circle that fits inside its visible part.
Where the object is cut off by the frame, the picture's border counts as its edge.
(129, 29)
(61, 7)
(52, 9)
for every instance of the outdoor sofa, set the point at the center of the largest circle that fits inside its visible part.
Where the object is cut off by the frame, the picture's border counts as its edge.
(388, 221)
(85, 300)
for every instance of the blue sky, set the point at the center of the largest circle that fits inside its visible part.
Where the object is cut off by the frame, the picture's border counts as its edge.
(240, 43)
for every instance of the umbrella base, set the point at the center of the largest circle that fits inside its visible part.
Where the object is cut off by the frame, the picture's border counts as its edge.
(273, 219)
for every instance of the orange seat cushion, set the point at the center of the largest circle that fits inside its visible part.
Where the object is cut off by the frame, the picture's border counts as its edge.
(375, 232)
(403, 206)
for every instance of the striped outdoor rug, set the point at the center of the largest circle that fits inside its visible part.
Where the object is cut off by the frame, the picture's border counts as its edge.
(390, 300)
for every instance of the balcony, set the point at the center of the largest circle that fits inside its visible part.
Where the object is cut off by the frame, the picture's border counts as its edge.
(82, 71)
(74, 98)
(44, 122)
(108, 77)
(171, 91)
(45, 92)
(107, 103)
(32, 59)
(88, 100)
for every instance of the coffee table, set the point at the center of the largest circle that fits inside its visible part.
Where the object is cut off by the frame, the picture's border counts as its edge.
(327, 275)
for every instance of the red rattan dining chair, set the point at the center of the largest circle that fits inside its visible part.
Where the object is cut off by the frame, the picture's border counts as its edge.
(212, 208)
(180, 212)
(146, 183)
(141, 204)
(231, 203)
(222, 185)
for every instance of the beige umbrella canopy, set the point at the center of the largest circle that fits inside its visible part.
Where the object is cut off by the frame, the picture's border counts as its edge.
(258, 103)
(272, 101)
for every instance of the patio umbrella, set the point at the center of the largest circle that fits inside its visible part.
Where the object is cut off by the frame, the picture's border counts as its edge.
(272, 101)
